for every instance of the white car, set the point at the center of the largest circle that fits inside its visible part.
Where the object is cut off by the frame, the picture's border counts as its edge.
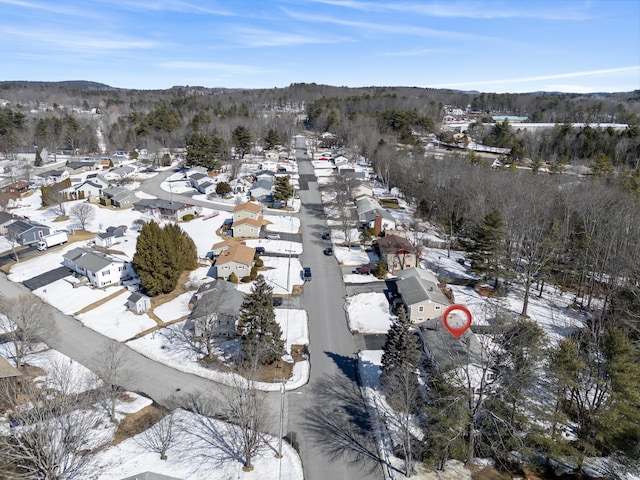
(273, 236)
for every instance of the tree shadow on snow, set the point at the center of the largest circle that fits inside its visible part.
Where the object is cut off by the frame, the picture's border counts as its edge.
(338, 421)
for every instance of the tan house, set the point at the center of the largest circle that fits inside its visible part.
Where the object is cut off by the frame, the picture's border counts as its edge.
(246, 210)
(218, 248)
(397, 252)
(421, 294)
(247, 228)
(237, 259)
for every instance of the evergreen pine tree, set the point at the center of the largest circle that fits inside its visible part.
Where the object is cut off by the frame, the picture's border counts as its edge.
(485, 247)
(283, 190)
(272, 139)
(619, 422)
(162, 254)
(261, 336)
(38, 160)
(241, 140)
(401, 350)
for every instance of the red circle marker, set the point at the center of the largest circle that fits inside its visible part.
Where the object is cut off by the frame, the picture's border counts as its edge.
(456, 319)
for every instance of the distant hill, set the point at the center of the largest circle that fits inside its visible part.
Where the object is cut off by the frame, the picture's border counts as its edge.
(71, 84)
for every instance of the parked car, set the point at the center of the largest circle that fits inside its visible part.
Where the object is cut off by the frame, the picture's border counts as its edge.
(273, 236)
(306, 274)
(277, 301)
(260, 250)
(328, 251)
(326, 236)
(364, 270)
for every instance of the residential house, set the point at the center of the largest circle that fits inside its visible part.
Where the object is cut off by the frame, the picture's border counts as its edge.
(270, 164)
(397, 252)
(237, 259)
(108, 238)
(19, 188)
(9, 380)
(460, 360)
(372, 215)
(26, 232)
(421, 294)
(265, 175)
(91, 189)
(247, 228)
(54, 176)
(120, 173)
(166, 209)
(361, 190)
(151, 476)
(81, 166)
(218, 248)
(340, 160)
(9, 200)
(246, 210)
(5, 220)
(247, 221)
(118, 197)
(101, 269)
(138, 303)
(203, 183)
(217, 308)
(11, 194)
(261, 189)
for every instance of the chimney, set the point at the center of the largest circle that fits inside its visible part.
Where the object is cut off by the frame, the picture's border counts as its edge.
(377, 226)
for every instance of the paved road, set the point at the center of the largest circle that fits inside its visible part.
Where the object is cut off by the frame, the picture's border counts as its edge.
(327, 419)
(161, 383)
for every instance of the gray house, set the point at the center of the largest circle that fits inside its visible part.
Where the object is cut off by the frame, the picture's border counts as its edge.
(261, 189)
(166, 209)
(421, 294)
(118, 197)
(216, 307)
(26, 232)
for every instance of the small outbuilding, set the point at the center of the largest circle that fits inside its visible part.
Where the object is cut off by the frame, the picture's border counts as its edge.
(138, 302)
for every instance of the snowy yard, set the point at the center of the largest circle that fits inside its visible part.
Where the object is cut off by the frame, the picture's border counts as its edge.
(368, 313)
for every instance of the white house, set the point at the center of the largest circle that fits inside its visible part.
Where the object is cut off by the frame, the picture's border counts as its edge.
(99, 268)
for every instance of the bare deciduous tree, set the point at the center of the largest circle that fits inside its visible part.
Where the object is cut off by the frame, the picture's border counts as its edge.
(82, 213)
(25, 321)
(50, 434)
(114, 373)
(161, 435)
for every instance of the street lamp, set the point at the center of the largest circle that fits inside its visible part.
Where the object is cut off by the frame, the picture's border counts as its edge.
(282, 390)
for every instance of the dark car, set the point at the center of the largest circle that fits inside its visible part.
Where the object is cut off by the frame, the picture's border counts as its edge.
(328, 251)
(326, 236)
(277, 301)
(364, 270)
(260, 250)
(306, 274)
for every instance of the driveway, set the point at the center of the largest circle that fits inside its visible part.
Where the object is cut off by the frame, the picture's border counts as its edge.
(47, 278)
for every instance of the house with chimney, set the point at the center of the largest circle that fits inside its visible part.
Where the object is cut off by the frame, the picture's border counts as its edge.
(397, 252)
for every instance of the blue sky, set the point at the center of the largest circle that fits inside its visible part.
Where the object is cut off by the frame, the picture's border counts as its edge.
(491, 46)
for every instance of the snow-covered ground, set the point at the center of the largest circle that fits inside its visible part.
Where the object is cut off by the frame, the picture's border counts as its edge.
(368, 313)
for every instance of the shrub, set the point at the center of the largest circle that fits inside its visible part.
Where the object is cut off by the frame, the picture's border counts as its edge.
(254, 273)
(258, 262)
(246, 279)
(233, 278)
(188, 217)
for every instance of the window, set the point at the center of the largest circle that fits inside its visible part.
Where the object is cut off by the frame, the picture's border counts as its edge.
(421, 308)
(438, 307)
(105, 273)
